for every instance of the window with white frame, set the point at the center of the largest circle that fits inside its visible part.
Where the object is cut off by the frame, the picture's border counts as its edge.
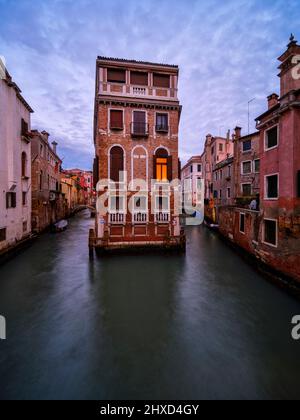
(271, 138)
(256, 165)
(117, 204)
(272, 187)
(270, 232)
(246, 167)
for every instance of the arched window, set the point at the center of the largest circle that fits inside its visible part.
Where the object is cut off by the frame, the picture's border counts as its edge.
(116, 163)
(162, 170)
(24, 164)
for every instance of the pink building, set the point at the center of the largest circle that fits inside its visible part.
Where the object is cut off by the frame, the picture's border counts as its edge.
(191, 173)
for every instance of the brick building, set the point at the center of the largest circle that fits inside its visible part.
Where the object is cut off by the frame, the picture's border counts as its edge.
(137, 115)
(15, 163)
(48, 204)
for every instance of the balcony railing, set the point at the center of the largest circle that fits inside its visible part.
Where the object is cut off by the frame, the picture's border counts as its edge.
(117, 89)
(139, 129)
(141, 217)
(162, 217)
(117, 218)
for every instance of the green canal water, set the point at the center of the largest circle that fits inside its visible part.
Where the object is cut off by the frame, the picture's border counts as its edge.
(200, 326)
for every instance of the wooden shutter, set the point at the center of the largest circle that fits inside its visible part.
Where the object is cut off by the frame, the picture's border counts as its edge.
(116, 163)
(116, 119)
(298, 184)
(154, 167)
(116, 75)
(161, 80)
(170, 168)
(24, 128)
(139, 78)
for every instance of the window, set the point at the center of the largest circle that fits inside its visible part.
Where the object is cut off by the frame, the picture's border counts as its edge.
(162, 204)
(116, 119)
(220, 195)
(298, 184)
(228, 192)
(138, 78)
(140, 203)
(215, 194)
(24, 227)
(24, 164)
(229, 171)
(117, 204)
(24, 198)
(220, 147)
(257, 166)
(191, 169)
(242, 222)
(162, 170)
(116, 75)
(161, 80)
(2, 234)
(246, 190)
(24, 128)
(271, 138)
(216, 176)
(272, 186)
(246, 167)
(199, 168)
(116, 163)
(247, 145)
(11, 200)
(162, 122)
(139, 125)
(41, 180)
(270, 232)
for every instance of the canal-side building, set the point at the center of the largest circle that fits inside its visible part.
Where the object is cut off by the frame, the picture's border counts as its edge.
(191, 173)
(137, 115)
(271, 231)
(15, 164)
(84, 181)
(48, 202)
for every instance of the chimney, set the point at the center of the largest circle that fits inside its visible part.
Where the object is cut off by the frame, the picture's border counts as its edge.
(238, 132)
(273, 100)
(54, 146)
(45, 135)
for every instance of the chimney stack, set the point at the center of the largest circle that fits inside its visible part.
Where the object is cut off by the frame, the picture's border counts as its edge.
(54, 146)
(45, 135)
(273, 100)
(238, 132)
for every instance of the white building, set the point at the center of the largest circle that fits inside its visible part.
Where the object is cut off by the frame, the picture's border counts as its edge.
(15, 164)
(191, 173)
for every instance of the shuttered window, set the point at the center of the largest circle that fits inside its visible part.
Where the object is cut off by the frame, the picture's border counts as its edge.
(116, 75)
(116, 163)
(161, 80)
(24, 128)
(116, 119)
(163, 166)
(96, 171)
(139, 78)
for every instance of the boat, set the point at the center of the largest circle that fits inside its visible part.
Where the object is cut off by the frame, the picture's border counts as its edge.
(61, 226)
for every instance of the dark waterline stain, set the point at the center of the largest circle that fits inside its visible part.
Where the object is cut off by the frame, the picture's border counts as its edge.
(200, 326)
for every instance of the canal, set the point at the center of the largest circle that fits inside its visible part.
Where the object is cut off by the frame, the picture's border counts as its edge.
(200, 326)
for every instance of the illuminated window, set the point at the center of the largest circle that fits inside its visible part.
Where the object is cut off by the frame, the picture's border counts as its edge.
(162, 169)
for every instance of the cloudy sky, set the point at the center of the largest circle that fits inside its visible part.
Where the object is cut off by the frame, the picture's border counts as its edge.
(226, 51)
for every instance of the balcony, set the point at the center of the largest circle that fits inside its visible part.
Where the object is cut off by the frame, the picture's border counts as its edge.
(147, 92)
(140, 218)
(139, 129)
(117, 218)
(162, 217)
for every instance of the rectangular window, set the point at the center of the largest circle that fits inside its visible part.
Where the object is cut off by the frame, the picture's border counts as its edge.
(161, 80)
(199, 168)
(116, 119)
(272, 138)
(116, 75)
(220, 147)
(162, 169)
(272, 186)
(11, 200)
(270, 232)
(138, 78)
(162, 204)
(2, 234)
(191, 169)
(247, 145)
(242, 222)
(216, 176)
(220, 195)
(215, 194)
(246, 190)
(257, 166)
(246, 167)
(24, 198)
(298, 184)
(139, 126)
(162, 123)
(228, 192)
(24, 128)
(117, 204)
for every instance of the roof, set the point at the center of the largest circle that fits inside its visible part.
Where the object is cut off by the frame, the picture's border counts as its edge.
(191, 160)
(249, 135)
(8, 80)
(147, 63)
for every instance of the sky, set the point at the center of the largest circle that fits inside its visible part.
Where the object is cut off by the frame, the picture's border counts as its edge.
(226, 49)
